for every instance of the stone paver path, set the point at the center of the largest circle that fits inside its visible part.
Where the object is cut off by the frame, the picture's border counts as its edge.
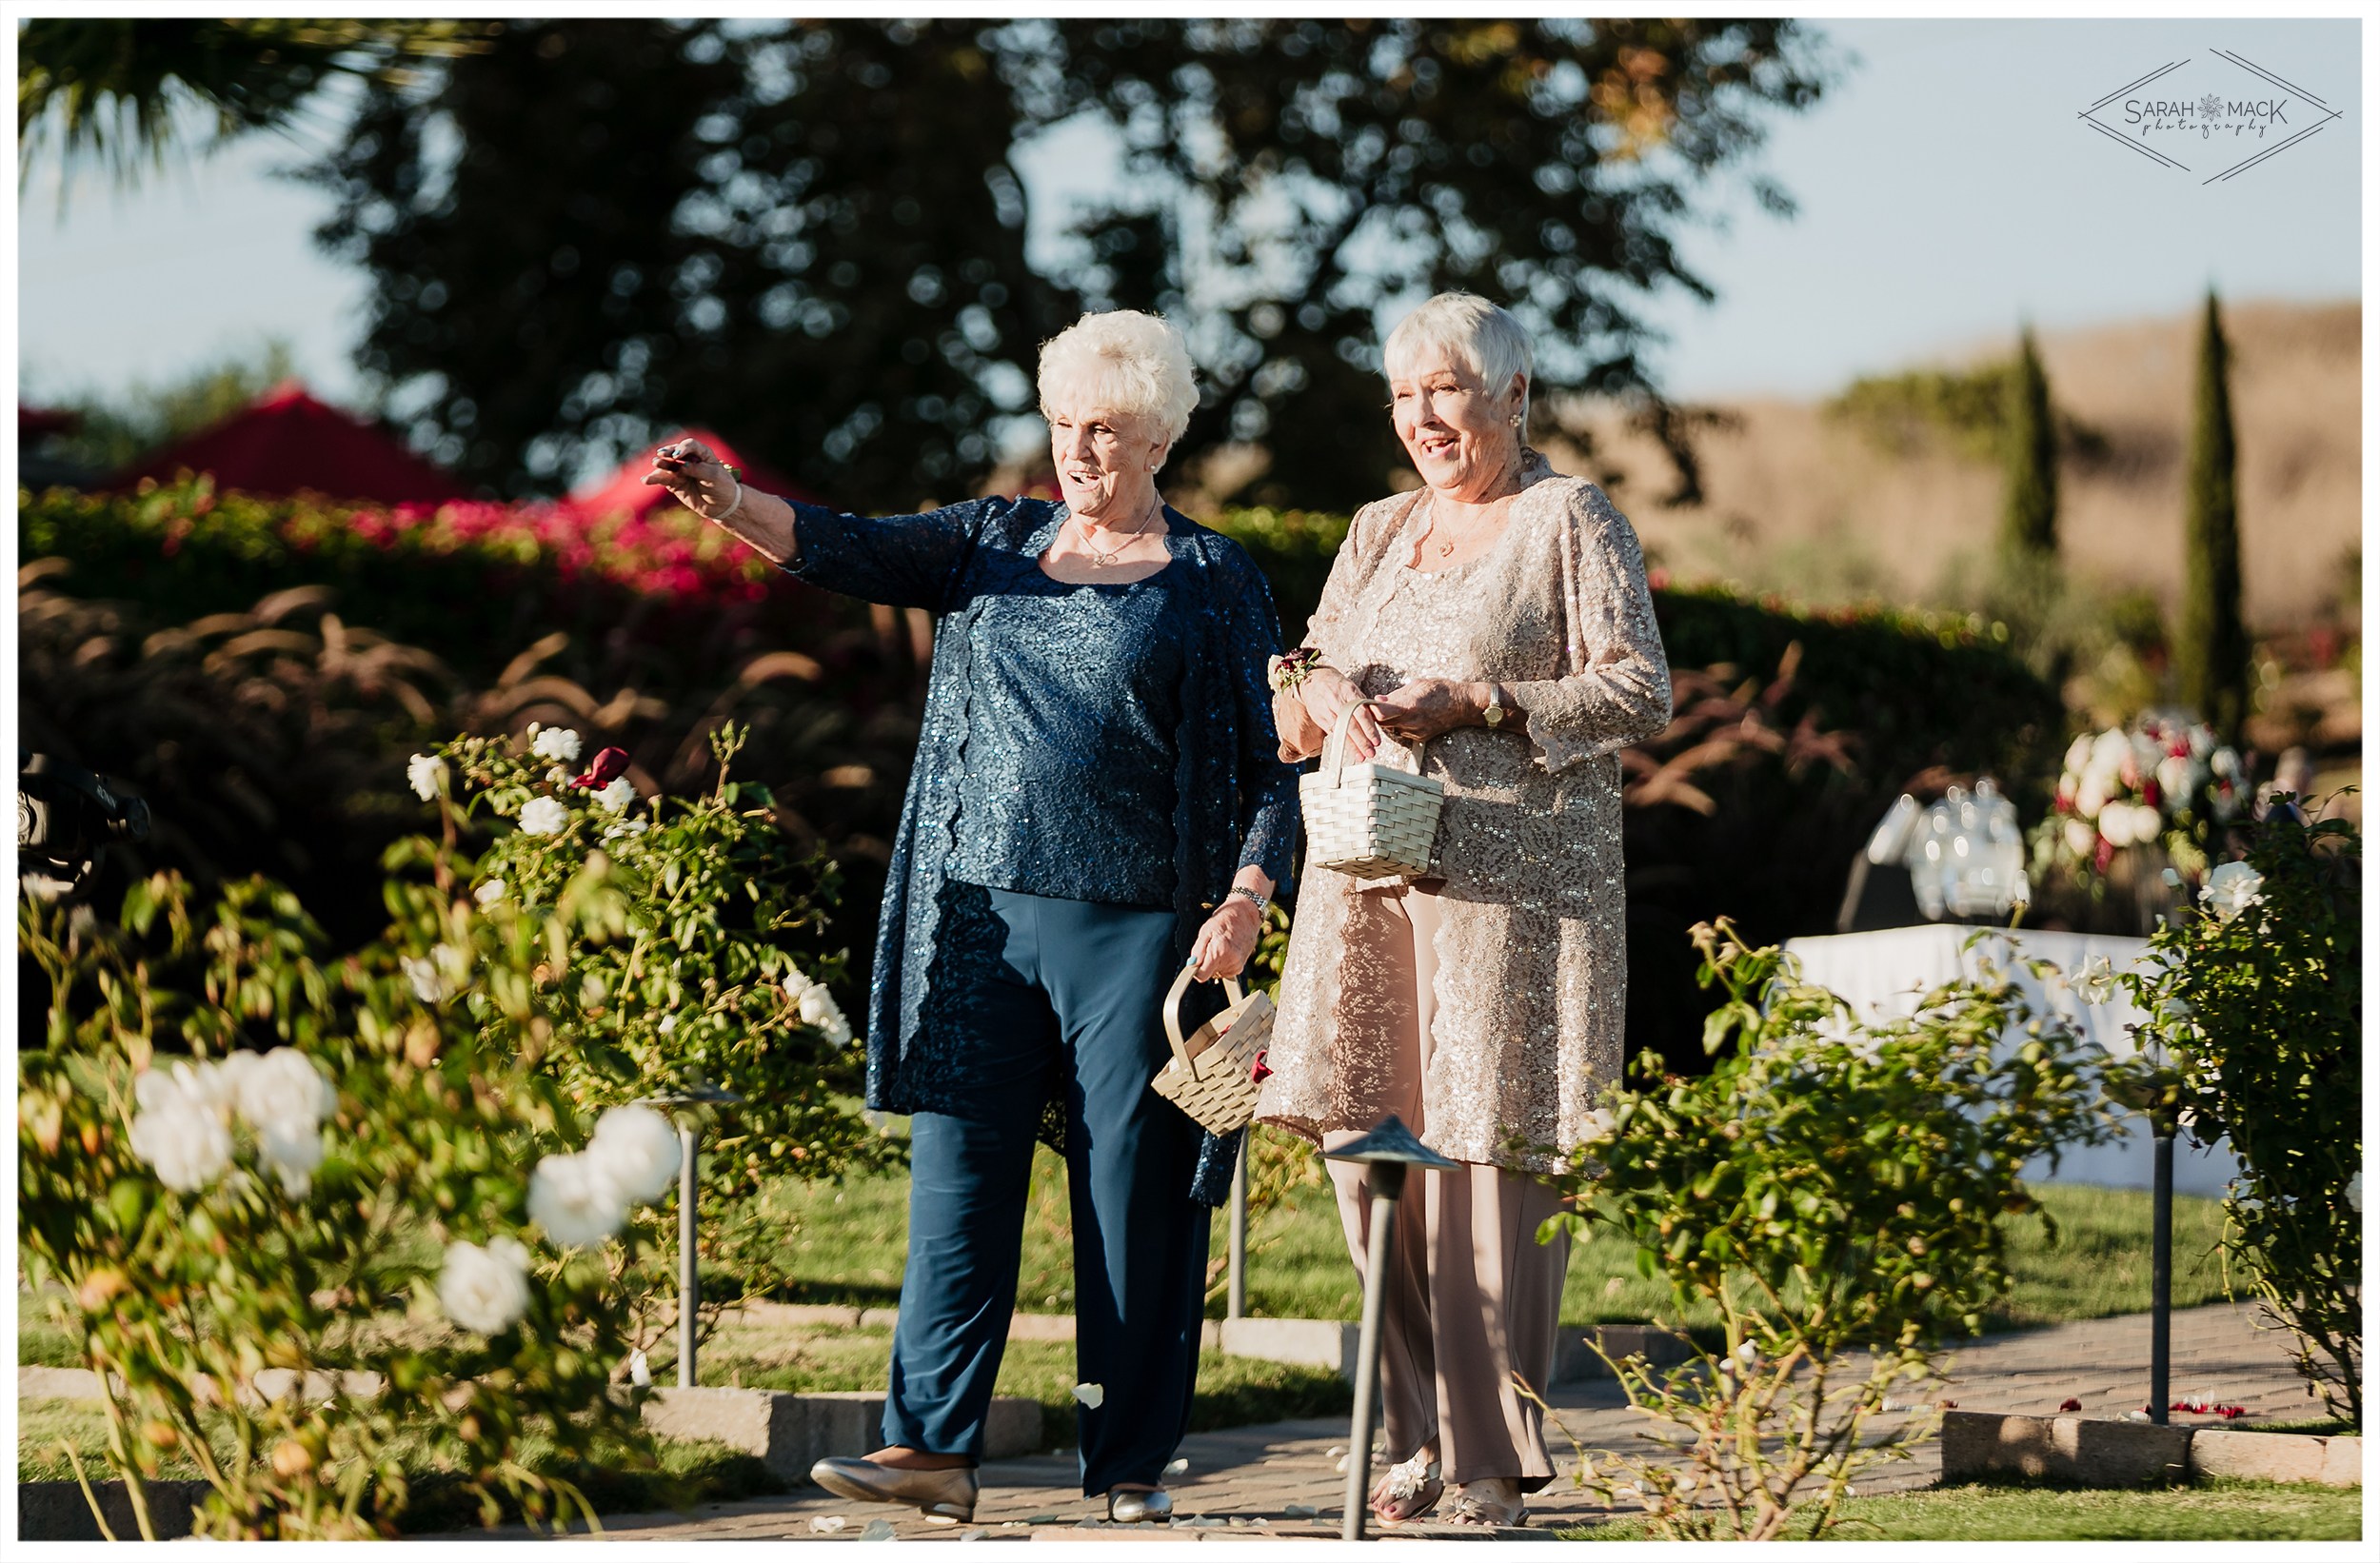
(1281, 1480)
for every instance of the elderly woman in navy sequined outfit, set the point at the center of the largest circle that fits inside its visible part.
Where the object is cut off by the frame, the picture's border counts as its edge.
(1097, 797)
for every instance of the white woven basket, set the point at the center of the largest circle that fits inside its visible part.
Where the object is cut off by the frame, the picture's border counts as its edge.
(1371, 821)
(1212, 1074)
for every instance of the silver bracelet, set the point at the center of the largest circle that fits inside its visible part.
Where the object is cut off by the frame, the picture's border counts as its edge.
(1262, 903)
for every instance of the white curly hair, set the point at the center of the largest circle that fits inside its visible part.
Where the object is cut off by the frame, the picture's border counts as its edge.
(1471, 331)
(1136, 365)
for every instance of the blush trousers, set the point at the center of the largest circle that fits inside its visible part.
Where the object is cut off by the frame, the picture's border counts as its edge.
(1473, 1297)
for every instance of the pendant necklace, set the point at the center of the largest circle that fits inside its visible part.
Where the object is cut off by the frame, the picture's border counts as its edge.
(1100, 560)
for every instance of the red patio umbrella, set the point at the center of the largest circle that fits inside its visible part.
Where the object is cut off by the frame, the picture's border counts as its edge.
(288, 442)
(626, 493)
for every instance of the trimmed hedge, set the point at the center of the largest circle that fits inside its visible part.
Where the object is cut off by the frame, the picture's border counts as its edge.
(676, 620)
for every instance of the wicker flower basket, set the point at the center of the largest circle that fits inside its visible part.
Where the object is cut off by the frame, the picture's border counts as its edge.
(1213, 1075)
(1371, 821)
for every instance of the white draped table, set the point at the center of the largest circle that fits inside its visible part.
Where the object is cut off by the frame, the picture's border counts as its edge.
(1883, 973)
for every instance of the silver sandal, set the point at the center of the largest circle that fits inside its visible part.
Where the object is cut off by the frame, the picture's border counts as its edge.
(1405, 1481)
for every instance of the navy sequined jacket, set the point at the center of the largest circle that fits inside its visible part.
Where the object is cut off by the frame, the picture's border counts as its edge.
(1236, 803)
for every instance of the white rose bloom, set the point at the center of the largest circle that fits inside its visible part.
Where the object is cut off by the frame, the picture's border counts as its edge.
(618, 796)
(1602, 1123)
(2202, 741)
(284, 1094)
(184, 1141)
(576, 1204)
(2081, 839)
(820, 1012)
(423, 973)
(2091, 793)
(637, 1150)
(2147, 823)
(2095, 981)
(2225, 763)
(2078, 753)
(2116, 823)
(2232, 889)
(2174, 776)
(293, 1156)
(490, 893)
(556, 744)
(484, 1289)
(544, 816)
(423, 772)
(212, 1083)
(2110, 750)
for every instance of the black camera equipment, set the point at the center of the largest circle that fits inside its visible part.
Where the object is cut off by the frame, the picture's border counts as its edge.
(64, 815)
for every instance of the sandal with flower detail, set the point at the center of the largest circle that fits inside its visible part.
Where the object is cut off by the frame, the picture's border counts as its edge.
(1410, 1490)
(1482, 1503)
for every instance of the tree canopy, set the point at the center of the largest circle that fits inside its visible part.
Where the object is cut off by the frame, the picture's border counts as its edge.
(813, 235)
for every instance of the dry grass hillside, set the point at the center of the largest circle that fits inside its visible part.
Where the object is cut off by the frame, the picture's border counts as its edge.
(1804, 503)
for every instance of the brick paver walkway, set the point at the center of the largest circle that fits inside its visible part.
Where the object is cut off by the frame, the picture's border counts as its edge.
(1281, 1480)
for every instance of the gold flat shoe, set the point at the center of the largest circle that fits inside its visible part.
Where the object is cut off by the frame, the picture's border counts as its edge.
(1126, 1507)
(948, 1493)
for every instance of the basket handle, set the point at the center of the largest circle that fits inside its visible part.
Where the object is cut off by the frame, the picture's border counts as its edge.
(1173, 1012)
(1335, 746)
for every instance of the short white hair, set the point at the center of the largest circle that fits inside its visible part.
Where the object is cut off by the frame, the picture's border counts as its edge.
(1470, 330)
(1123, 361)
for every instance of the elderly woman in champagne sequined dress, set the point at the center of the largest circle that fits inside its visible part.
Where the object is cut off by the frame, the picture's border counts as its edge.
(1097, 802)
(1497, 622)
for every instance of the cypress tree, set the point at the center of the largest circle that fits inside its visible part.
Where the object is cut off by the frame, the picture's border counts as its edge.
(2211, 654)
(2028, 514)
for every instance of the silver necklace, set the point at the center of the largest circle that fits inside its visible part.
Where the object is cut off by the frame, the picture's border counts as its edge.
(1100, 560)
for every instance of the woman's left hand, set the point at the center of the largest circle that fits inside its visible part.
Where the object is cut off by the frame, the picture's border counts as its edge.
(1416, 712)
(1227, 939)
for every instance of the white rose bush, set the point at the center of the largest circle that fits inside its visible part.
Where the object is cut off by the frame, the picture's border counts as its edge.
(237, 1153)
(719, 982)
(1834, 1190)
(2255, 1008)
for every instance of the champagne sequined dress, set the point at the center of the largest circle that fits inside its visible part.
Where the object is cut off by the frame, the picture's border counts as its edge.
(1530, 948)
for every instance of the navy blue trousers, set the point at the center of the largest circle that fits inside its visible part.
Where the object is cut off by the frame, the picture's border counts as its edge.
(1072, 1003)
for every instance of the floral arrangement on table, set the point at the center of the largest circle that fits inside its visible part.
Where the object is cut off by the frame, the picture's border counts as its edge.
(2161, 782)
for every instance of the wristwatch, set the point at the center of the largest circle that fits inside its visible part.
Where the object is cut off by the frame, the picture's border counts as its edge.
(1493, 714)
(1262, 903)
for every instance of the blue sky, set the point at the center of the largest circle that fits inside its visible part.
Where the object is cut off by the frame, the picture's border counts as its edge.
(1946, 189)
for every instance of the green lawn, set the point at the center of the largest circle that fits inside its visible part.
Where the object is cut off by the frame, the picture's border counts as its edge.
(844, 1244)
(2210, 1512)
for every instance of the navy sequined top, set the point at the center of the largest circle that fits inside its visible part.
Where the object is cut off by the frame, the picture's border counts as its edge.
(1231, 801)
(1069, 760)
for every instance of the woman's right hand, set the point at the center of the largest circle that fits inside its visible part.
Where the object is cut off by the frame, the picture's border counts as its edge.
(1327, 694)
(696, 477)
